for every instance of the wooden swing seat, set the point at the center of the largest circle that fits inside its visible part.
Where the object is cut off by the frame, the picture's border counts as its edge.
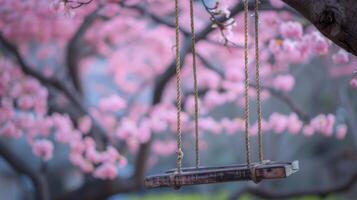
(208, 175)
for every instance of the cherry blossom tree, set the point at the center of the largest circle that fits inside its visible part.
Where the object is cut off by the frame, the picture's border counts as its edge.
(51, 50)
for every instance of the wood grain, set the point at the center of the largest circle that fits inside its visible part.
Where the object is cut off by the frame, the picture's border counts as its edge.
(209, 175)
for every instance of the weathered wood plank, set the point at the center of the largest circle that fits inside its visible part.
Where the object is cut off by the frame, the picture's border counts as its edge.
(208, 175)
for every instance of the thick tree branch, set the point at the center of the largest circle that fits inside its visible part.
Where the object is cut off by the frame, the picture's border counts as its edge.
(73, 48)
(99, 190)
(336, 19)
(38, 180)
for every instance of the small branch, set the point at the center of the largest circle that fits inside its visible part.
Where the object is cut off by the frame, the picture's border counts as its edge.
(155, 18)
(38, 180)
(321, 192)
(289, 102)
(76, 3)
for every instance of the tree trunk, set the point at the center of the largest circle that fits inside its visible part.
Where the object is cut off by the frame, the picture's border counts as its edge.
(336, 19)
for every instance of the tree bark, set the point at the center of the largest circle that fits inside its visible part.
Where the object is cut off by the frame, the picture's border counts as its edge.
(336, 19)
(38, 180)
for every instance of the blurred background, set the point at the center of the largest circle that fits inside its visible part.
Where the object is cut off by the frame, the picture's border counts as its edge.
(88, 100)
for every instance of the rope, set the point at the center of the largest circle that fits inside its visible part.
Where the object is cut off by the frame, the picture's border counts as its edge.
(246, 89)
(178, 89)
(193, 43)
(246, 83)
(257, 80)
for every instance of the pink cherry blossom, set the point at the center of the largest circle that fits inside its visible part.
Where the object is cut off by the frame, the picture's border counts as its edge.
(291, 30)
(25, 102)
(157, 125)
(43, 148)
(210, 125)
(236, 88)
(308, 131)
(16, 90)
(253, 130)
(294, 123)
(164, 148)
(31, 86)
(6, 114)
(278, 122)
(290, 51)
(324, 124)
(89, 142)
(93, 155)
(318, 43)
(234, 74)
(341, 131)
(277, 3)
(208, 79)
(127, 129)
(106, 171)
(144, 132)
(275, 46)
(25, 121)
(77, 146)
(111, 155)
(123, 161)
(10, 130)
(83, 164)
(213, 99)
(341, 57)
(112, 103)
(353, 83)
(44, 126)
(190, 104)
(85, 124)
(284, 83)
(230, 126)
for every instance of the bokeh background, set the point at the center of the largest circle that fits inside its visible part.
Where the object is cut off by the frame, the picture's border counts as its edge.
(88, 100)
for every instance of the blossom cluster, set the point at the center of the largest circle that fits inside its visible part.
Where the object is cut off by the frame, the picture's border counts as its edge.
(24, 113)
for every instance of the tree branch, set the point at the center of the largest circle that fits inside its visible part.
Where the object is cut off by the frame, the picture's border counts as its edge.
(99, 189)
(73, 48)
(289, 102)
(38, 180)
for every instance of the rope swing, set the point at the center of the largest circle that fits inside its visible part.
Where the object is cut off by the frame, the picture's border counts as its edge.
(256, 172)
